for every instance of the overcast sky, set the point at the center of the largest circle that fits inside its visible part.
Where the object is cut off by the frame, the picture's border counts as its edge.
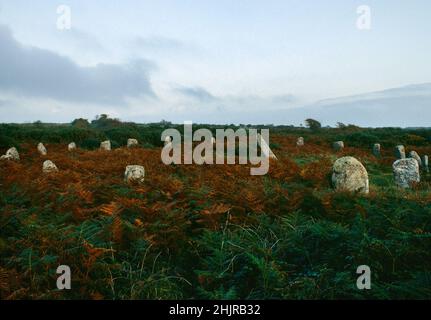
(209, 61)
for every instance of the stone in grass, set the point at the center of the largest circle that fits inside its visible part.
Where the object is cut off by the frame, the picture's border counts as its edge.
(105, 145)
(49, 167)
(415, 155)
(377, 150)
(338, 145)
(71, 146)
(132, 143)
(400, 152)
(11, 154)
(134, 173)
(348, 174)
(425, 162)
(300, 142)
(406, 172)
(41, 149)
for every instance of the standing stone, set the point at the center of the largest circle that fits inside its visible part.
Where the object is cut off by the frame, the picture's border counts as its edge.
(338, 145)
(348, 174)
(132, 143)
(134, 173)
(414, 155)
(400, 152)
(300, 142)
(425, 163)
(377, 150)
(71, 146)
(406, 172)
(11, 154)
(41, 149)
(49, 167)
(105, 145)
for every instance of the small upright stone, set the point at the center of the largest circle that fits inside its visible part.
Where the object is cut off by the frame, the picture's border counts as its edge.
(41, 149)
(132, 143)
(105, 145)
(406, 172)
(134, 173)
(414, 155)
(300, 142)
(71, 146)
(425, 163)
(377, 150)
(168, 140)
(348, 174)
(11, 154)
(49, 167)
(400, 152)
(338, 145)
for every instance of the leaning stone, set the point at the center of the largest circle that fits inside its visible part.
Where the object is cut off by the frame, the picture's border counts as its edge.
(406, 172)
(338, 145)
(41, 149)
(49, 166)
(105, 145)
(300, 142)
(134, 173)
(132, 143)
(348, 174)
(71, 146)
(414, 155)
(377, 149)
(400, 152)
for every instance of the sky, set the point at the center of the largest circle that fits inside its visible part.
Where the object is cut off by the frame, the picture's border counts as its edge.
(212, 61)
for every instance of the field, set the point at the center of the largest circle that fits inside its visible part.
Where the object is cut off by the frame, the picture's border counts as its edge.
(210, 231)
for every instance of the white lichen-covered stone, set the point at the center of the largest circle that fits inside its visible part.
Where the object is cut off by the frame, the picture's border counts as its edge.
(41, 149)
(400, 152)
(49, 167)
(134, 173)
(132, 143)
(105, 145)
(348, 174)
(406, 172)
(338, 145)
(415, 155)
(300, 142)
(11, 154)
(377, 149)
(71, 146)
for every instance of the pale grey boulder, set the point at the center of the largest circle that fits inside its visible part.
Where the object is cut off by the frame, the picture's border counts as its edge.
(134, 173)
(131, 143)
(400, 152)
(338, 145)
(11, 154)
(105, 145)
(415, 155)
(49, 167)
(41, 149)
(377, 150)
(406, 172)
(348, 174)
(300, 142)
(71, 146)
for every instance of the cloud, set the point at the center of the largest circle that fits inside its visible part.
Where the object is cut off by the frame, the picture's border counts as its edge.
(158, 42)
(39, 73)
(197, 93)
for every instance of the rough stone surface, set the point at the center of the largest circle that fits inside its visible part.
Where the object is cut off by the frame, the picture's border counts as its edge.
(41, 149)
(348, 174)
(400, 152)
(300, 142)
(415, 155)
(11, 154)
(406, 172)
(134, 173)
(105, 145)
(377, 150)
(49, 166)
(71, 146)
(132, 143)
(338, 145)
